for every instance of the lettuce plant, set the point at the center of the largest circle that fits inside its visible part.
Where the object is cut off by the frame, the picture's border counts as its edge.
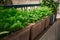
(12, 20)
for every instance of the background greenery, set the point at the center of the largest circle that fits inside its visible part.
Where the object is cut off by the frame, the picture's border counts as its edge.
(50, 3)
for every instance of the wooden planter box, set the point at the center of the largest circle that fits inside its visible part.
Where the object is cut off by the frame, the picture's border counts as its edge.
(37, 29)
(30, 32)
(55, 13)
(20, 35)
(47, 21)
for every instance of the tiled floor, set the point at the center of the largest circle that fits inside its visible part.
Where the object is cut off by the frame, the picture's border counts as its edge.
(53, 32)
(58, 15)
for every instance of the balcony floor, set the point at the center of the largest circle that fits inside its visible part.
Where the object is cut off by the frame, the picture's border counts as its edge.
(53, 33)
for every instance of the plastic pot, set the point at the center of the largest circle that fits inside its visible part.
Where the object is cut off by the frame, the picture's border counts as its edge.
(52, 18)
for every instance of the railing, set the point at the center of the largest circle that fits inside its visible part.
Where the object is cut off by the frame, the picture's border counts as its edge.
(22, 5)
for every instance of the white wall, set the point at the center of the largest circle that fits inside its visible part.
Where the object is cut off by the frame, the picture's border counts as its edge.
(25, 2)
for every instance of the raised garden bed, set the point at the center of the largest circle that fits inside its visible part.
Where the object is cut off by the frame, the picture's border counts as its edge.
(37, 29)
(16, 24)
(19, 35)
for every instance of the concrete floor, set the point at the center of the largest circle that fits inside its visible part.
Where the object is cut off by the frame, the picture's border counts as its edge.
(53, 32)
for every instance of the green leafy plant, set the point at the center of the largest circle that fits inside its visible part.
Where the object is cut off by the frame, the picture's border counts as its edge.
(8, 19)
(12, 20)
(50, 3)
(39, 13)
